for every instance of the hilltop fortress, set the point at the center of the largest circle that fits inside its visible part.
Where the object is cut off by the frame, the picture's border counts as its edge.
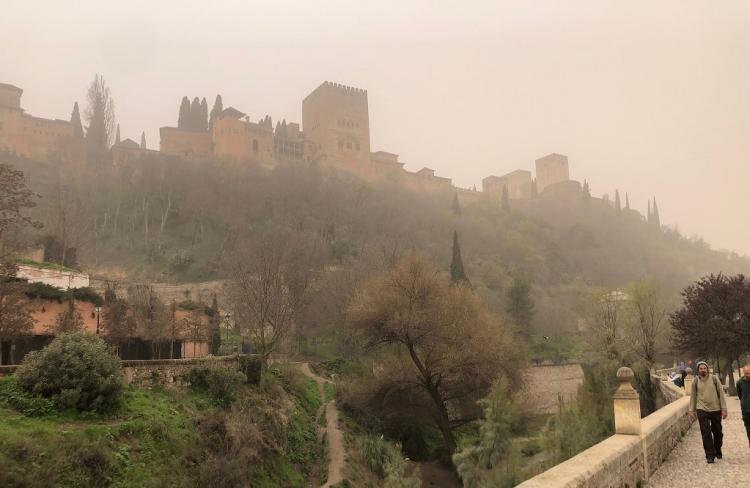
(335, 133)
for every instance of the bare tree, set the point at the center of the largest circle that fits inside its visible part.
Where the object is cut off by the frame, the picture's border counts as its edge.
(195, 327)
(270, 281)
(70, 319)
(650, 319)
(119, 324)
(608, 323)
(151, 314)
(15, 196)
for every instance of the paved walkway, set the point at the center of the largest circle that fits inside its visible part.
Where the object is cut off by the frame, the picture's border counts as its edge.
(686, 465)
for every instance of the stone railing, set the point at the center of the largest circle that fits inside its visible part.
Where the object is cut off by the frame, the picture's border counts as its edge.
(638, 448)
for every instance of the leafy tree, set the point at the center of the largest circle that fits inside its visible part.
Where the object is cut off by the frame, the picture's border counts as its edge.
(446, 348)
(100, 118)
(15, 197)
(15, 310)
(457, 266)
(69, 320)
(183, 121)
(456, 206)
(504, 201)
(75, 120)
(714, 320)
(520, 305)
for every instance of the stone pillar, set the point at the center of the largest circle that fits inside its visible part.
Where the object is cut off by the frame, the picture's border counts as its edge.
(689, 381)
(627, 405)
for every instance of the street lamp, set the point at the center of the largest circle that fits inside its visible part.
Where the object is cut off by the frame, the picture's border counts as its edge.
(98, 312)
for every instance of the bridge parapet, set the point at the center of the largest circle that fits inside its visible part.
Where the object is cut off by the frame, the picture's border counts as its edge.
(630, 457)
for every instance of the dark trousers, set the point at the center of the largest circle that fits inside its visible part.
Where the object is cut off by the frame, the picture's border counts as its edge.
(746, 419)
(710, 423)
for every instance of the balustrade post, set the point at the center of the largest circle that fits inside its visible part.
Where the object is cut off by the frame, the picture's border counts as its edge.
(627, 404)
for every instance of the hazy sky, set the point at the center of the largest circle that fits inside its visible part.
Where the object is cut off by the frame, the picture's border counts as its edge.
(651, 97)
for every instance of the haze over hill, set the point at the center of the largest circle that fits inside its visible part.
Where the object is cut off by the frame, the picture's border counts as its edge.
(638, 95)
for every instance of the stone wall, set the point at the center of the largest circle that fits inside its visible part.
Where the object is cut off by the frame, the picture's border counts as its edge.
(623, 461)
(546, 385)
(159, 372)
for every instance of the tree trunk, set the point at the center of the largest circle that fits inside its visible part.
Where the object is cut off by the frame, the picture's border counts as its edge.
(732, 389)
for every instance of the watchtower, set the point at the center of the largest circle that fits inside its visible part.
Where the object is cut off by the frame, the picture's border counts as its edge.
(336, 120)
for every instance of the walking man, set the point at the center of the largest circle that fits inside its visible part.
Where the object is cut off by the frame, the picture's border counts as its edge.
(707, 400)
(743, 392)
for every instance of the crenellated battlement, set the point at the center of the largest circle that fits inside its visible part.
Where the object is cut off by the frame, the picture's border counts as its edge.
(329, 86)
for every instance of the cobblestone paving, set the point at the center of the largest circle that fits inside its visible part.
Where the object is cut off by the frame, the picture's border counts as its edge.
(686, 466)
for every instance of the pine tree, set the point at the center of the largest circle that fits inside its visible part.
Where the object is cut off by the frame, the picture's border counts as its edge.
(215, 111)
(204, 115)
(117, 135)
(655, 216)
(520, 306)
(143, 140)
(504, 201)
(456, 207)
(618, 208)
(457, 266)
(183, 121)
(75, 119)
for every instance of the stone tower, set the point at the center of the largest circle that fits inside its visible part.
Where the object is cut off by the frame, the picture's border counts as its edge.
(336, 120)
(551, 169)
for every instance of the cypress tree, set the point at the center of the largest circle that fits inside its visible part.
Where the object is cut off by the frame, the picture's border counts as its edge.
(184, 118)
(586, 193)
(75, 119)
(143, 140)
(457, 266)
(655, 216)
(618, 208)
(214, 323)
(504, 201)
(195, 114)
(456, 207)
(204, 115)
(648, 214)
(218, 108)
(627, 201)
(117, 134)
(520, 306)
(534, 190)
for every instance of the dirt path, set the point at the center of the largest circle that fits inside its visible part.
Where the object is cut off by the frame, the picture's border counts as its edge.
(334, 434)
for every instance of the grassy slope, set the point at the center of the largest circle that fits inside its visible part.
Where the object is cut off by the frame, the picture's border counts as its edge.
(151, 441)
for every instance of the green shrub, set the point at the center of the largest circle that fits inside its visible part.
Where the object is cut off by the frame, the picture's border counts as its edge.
(75, 371)
(217, 382)
(16, 397)
(49, 292)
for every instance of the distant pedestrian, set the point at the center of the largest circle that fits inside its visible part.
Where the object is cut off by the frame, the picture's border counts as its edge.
(707, 400)
(743, 393)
